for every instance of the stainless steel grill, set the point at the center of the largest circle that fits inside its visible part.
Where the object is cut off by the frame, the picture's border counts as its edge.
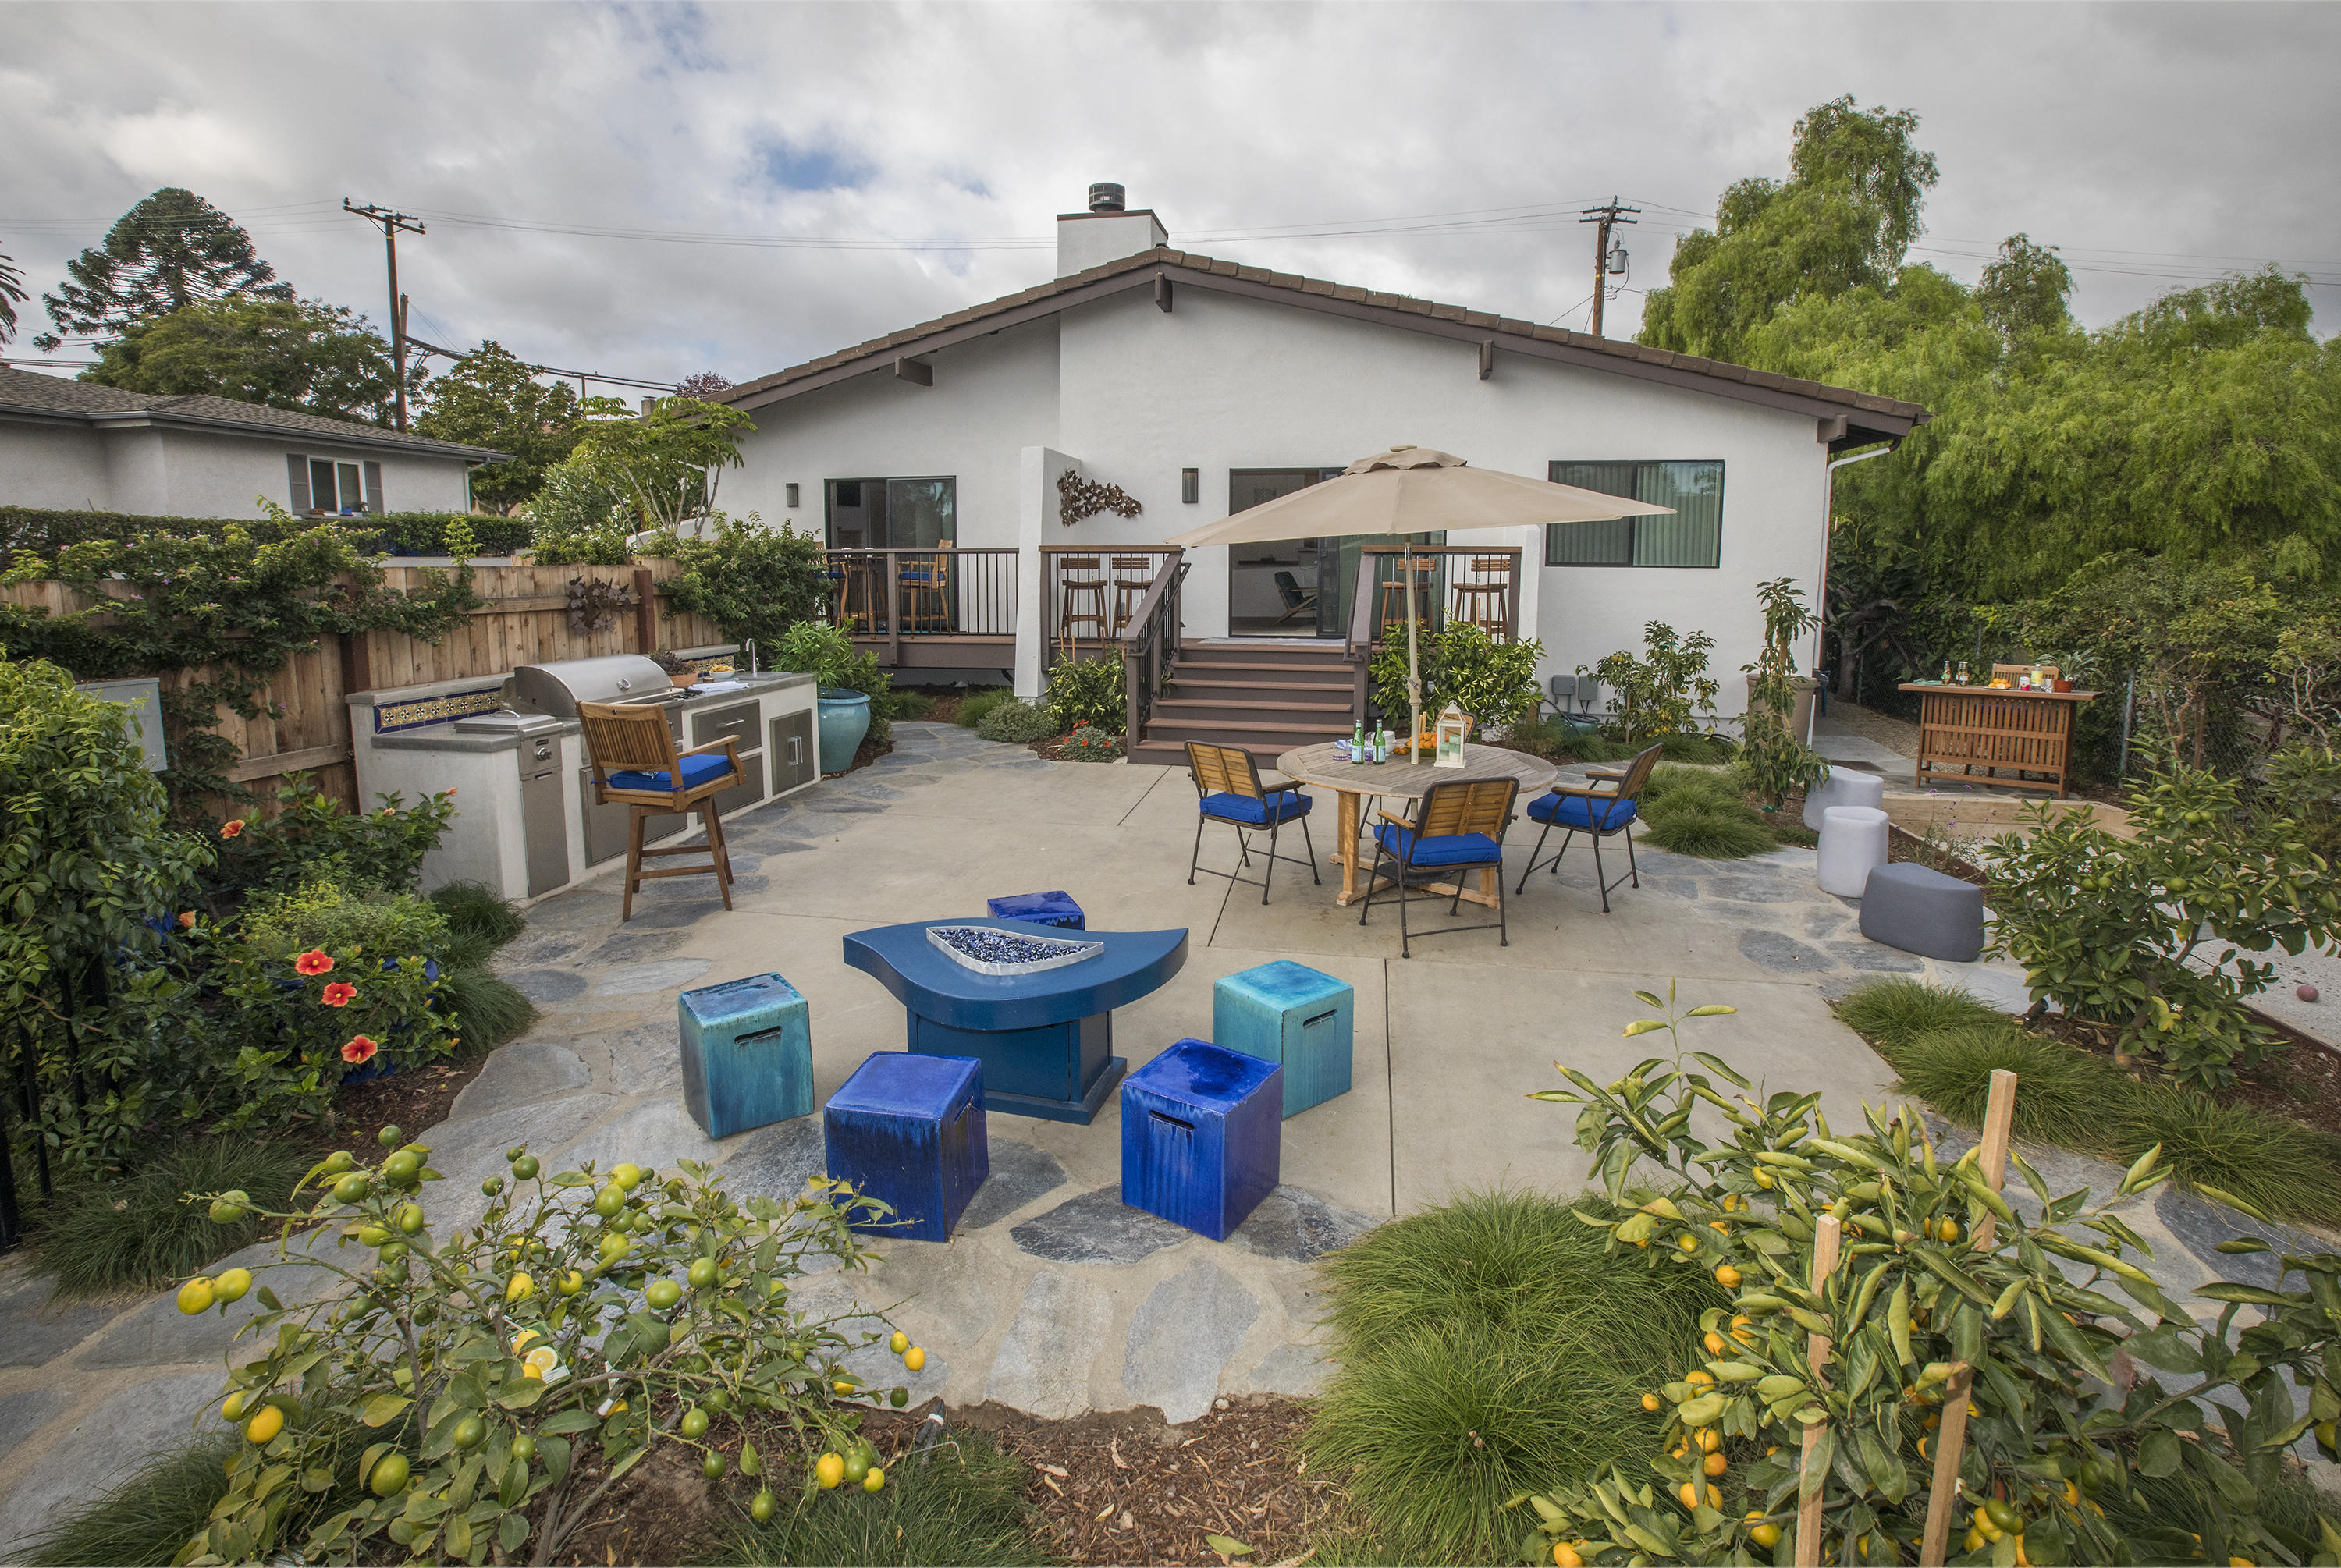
(555, 690)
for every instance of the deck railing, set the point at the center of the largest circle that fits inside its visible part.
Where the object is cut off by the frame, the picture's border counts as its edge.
(1452, 583)
(1090, 593)
(1150, 642)
(965, 595)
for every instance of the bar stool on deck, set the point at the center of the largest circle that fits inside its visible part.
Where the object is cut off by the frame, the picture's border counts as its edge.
(1422, 569)
(636, 762)
(1133, 576)
(1072, 593)
(1478, 595)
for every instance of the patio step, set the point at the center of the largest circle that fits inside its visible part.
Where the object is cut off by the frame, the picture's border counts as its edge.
(1258, 696)
(1254, 706)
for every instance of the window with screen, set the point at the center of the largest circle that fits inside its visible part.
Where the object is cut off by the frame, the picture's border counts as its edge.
(321, 484)
(1693, 536)
(891, 513)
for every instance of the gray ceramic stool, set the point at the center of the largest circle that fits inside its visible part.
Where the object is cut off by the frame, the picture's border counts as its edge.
(1853, 840)
(1924, 912)
(1843, 787)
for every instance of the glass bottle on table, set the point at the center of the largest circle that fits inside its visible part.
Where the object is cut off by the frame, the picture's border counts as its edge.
(1963, 672)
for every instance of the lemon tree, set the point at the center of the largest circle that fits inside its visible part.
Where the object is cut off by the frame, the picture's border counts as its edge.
(442, 1401)
(2151, 932)
(2064, 1331)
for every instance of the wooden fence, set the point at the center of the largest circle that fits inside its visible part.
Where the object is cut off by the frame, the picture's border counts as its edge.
(525, 620)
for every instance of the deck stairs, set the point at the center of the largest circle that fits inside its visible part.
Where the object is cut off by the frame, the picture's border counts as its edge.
(1266, 695)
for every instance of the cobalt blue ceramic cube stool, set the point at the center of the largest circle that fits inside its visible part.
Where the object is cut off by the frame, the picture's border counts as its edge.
(1290, 1014)
(1038, 909)
(747, 1054)
(1201, 1136)
(908, 1129)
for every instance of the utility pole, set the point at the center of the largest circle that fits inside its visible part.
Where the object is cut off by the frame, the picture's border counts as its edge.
(1606, 260)
(392, 226)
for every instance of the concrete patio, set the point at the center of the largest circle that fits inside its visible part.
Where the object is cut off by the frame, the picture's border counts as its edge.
(1052, 1297)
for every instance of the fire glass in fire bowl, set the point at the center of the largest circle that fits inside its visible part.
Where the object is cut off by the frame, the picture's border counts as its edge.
(990, 951)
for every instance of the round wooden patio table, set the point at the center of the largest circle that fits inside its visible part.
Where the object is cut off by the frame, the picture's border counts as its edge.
(1322, 767)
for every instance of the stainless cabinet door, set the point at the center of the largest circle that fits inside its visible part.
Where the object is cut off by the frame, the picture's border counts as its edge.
(791, 751)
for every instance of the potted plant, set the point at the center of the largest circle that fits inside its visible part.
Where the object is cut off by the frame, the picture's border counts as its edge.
(680, 673)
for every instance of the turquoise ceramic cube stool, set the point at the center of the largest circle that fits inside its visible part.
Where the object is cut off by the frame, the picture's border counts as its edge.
(747, 1054)
(1289, 1014)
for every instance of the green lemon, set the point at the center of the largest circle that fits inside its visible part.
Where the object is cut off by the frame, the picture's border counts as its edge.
(351, 1187)
(410, 1217)
(857, 1464)
(609, 1200)
(662, 1293)
(719, 1400)
(401, 1167)
(693, 1424)
(627, 1175)
(899, 1342)
(339, 1161)
(232, 1284)
(763, 1508)
(389, 1477)
(524, 1448)
(899, 1398)
(704, 1273)
(712, 1466)
(389, 1137)
(525, 1167)
(471, 1432)
(226, 1213)
(491, 1186)
(2004, 1516)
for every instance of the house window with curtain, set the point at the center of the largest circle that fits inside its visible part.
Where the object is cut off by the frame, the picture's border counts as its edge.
(891, 513)
(327, 485)
(1693, 536)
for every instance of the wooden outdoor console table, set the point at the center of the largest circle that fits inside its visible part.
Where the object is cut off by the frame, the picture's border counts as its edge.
(2003, 731)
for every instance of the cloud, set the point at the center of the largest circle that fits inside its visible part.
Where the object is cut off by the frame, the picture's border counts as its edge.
(2156, 145)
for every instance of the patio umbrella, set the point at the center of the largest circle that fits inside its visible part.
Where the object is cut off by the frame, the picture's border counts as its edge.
(1407, 490)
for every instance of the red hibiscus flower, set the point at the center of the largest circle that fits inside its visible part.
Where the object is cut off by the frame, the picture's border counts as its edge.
(315, 961)
(360, 1050)
(338, 994)
(187, 921)
(230, 830)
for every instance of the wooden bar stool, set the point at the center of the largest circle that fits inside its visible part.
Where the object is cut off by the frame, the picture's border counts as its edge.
(637, 762)
(1479, 596)
(1421, 569)
(1133, 576)
(1073, 591)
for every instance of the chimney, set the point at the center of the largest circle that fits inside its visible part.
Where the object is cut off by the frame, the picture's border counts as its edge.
(1106, 233)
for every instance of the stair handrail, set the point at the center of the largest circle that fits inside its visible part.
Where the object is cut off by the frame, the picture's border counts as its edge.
(1150, 641)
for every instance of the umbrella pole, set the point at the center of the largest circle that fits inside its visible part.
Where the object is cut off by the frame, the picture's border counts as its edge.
(1413, 658)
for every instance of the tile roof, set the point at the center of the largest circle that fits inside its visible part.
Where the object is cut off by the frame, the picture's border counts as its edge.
(33, 392)
(1167, 257)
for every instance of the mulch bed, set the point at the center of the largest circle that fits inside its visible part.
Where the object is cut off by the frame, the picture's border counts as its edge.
(1901, 844)
(1055, 750)
(2301, 1085)
(1125, 1488)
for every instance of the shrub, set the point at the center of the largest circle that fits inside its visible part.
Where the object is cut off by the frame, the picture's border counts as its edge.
(976, 704)
(1684, 745)
(1091, 744)
(1484, 1347)
(1893, 1010)
(1663, 692)
(751, 580)
(962, 1505)
(136, 1231)
(311, 839)
(1016, 722)
(280, 925)
(1086, 691)
(1494, 683)
(619, 1309)
(1777, 761)
(474, 909)
(827, 654)
(2116, 929)
(1916, 1295)
(46, 531)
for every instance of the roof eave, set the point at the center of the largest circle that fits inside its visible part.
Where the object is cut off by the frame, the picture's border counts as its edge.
(357, 436)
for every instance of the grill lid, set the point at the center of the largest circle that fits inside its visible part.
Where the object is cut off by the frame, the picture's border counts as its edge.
(558, 688)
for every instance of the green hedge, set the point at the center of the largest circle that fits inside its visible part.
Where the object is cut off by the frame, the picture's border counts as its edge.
(45, 531)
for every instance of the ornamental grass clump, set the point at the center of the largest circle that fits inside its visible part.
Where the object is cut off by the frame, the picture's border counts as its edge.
(1938, 1278)
(1893, 1010)
(136, 1230)
(475, 1352)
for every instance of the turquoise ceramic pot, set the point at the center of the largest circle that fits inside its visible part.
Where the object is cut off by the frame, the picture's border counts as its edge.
(844, 720)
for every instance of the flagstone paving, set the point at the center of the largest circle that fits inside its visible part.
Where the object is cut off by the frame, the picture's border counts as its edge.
(1052, 1296)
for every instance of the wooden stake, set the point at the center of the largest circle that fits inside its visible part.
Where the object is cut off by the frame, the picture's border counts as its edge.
(1827, 1234)
(1934, 1549)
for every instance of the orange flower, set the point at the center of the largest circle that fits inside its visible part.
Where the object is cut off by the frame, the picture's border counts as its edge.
(338, 994)
(361, 1048)
(187, 921)
(315, 961)
(230, 830)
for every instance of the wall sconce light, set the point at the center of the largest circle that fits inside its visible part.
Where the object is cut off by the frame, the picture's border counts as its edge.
(793, 494)
(1191, 485)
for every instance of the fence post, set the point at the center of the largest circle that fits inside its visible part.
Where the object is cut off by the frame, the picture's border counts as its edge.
(1827, 1232)
(645, 611)
(1999, 1113)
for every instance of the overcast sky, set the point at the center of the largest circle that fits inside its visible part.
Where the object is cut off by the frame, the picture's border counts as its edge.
(2158, 145)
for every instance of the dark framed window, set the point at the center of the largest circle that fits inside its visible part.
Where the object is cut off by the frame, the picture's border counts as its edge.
(891, 513)
(1693, 536)
(323, 485)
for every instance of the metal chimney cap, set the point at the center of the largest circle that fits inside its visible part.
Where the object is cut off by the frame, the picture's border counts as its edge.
(1105, 197)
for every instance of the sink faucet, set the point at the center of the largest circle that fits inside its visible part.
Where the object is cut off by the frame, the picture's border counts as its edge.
(749, 648)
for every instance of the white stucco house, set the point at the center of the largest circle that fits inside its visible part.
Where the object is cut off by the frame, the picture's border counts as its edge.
(67, 444)
(1196, 386)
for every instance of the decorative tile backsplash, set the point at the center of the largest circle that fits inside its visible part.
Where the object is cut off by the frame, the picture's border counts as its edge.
(391, 717)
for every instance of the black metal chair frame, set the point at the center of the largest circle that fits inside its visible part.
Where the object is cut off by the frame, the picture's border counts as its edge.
(1297, 599)
(1411, 875)
(1617, 779)
(1205, 761)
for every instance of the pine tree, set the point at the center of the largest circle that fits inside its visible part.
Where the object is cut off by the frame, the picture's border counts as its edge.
(171, 250)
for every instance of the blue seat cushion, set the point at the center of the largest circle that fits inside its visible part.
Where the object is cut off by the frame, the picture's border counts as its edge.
(1281, 806)
(1595, 815)
(1441, 849)
(696, 771)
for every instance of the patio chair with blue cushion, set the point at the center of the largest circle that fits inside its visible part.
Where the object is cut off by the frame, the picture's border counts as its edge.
(1600, 810)
(1459, 828)
(1228, 782)
(637, 764)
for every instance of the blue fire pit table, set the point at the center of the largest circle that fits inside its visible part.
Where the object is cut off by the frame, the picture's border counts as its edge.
(1046, 1038)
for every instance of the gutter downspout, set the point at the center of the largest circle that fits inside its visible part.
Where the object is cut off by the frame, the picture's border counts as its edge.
(1829, 526)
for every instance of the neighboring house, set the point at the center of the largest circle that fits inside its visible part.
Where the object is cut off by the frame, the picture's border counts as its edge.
(69, 444)
(1198, 387)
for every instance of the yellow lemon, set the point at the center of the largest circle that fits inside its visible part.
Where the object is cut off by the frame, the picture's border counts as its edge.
(266, 1423)
(874, 1480)
(1709, 1439)
(1740, 1331)
(1727, 1277)
(899, 1342)
(195, 1295)
(519, 1288)
(1699, 1378)
(1765, 1535)
(1714, 1343)
(231, 1408)
(1566, 1556)
(1650, 1402)
(523, 1339)
(829, 1470)
(914, 1358)
(842, 1388)
(1688, 1492)
(627, 1175)
(1716, 1463)
(232, 1284)
(1686, 1242)
(1765, 1178)
(1948, 1231)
